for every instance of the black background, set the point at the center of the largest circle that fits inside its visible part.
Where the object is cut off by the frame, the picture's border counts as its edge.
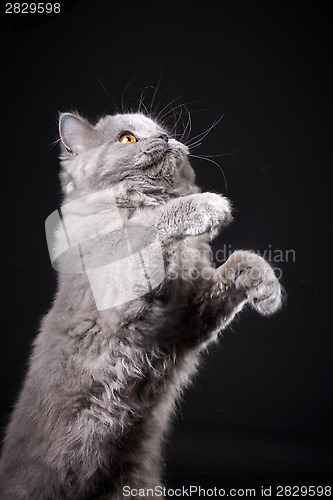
(262, 402)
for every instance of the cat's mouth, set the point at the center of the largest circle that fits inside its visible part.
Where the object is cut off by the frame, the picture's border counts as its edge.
(163, 150)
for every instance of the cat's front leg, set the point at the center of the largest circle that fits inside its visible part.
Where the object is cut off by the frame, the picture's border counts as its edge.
(249, 276)
(193, 215)
(245, 278)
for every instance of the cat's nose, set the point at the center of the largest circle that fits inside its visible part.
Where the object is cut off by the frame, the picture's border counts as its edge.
(163, 136)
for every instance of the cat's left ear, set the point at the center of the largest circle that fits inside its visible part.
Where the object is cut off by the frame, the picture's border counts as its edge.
(76, 134)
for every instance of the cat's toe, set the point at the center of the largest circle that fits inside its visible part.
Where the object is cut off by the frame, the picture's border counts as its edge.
(212, 212)
(253, 276)
(219, 208)
(266, 298)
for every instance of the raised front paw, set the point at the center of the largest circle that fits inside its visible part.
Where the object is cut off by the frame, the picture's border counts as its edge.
(250, 274)
(207, 213)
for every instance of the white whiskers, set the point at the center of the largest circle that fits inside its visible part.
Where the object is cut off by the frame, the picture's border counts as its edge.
(215, 163)
(199, 137)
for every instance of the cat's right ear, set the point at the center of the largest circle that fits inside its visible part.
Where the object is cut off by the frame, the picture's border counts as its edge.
(76, 134)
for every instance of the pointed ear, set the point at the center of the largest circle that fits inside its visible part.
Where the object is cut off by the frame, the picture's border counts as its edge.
(76, 134)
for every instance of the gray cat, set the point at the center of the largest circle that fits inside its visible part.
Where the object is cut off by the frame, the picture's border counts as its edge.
(104, 375)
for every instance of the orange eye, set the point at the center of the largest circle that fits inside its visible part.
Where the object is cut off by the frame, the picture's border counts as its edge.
(128, 138)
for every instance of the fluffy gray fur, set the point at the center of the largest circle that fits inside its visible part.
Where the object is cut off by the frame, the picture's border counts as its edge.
(102, 385)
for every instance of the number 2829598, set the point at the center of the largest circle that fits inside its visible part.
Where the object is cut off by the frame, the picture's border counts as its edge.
(32, 8)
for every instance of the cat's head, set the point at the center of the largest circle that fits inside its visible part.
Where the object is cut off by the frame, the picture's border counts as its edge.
(132, 149)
